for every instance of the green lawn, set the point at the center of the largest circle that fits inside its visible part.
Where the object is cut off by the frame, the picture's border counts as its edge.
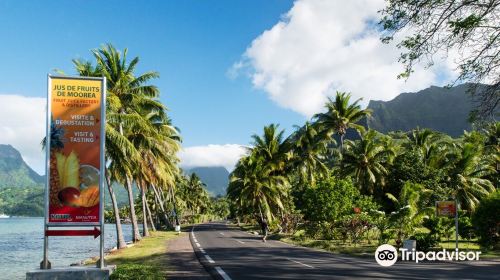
(470, 245)
(365, 247)
(146, 258)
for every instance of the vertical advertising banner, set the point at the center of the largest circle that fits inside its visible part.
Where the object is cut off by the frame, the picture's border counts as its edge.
(76, 109)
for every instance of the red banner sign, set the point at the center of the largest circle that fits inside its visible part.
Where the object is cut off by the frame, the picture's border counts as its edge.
(446, 208)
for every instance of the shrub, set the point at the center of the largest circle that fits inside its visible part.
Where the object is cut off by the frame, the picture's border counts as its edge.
(320, 230)
(486, 221)
(425, 241)
(439, 226)
(332, 199)
(465, 228)
(136, 271)
(356, 225)
(329, 200)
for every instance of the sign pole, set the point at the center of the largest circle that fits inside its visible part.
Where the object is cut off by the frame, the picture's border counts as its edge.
(456, 224)
(45, 264)
(102, 172)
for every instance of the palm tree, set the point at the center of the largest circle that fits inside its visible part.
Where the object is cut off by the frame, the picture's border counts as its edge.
(157, 164)
(271, 148)
(430, 145)
(308, 149)
(117, 147)
(128, 96)
(366, 160)
(341, 115)
(492, 147)
(120, 240)
(255, 187)
(466, 170)
(197, 196)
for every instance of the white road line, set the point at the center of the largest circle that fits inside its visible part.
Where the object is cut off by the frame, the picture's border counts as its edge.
(202, 250)
(221, 233)
(300, 263)
(222, 273)
(197, 244)
(240, 241)
(209, 259)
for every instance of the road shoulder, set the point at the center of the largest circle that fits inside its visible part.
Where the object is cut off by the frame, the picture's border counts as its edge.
(182, 261)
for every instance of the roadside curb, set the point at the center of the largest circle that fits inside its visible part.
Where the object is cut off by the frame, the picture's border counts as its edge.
(210, 268)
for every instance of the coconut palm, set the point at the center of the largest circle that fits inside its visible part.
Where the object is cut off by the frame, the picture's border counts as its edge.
(367, 160)
(341, 115)
(117, 147)
(256, 188)
(466, 172)
(308, 149)
(430, 145)
(271, 149)
(157, 166)
(129, 96)
(492, 148)
(197, 196)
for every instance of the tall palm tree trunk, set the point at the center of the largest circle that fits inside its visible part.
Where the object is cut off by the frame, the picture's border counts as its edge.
(120, 240)
(172, 195)
(136, 236)
(160, 201)
(145, 230)
(163, 217)
(341, 143)
(151, 221)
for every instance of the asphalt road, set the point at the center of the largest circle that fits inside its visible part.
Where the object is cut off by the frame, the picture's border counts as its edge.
(229, 253)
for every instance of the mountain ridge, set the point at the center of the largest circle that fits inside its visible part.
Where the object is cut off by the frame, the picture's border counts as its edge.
(439, 108)
(216, 178)
(14, 171)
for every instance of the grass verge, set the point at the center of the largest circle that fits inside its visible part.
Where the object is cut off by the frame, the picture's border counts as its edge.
(364, 248)
(145, 260)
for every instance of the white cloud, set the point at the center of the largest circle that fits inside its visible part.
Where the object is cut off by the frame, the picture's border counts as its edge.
(212, 155)
(22, 125)
(321, 46)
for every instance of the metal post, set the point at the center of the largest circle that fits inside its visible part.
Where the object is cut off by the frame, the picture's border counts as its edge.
(456, 224)
(45, 264)
(102, 168)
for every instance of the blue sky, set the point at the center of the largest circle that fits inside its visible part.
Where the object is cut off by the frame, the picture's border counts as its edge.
(288, 59)
(191, 43)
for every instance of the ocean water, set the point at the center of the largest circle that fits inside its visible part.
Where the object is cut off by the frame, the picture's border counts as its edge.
(21, 246)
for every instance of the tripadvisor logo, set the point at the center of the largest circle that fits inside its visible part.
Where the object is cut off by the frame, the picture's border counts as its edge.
(387, 255)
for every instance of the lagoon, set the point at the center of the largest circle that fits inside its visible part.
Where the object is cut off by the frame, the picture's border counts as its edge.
(21, 246)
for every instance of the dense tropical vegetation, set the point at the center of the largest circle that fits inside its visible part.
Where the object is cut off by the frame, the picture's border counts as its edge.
(314, 182)
(383, 185)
